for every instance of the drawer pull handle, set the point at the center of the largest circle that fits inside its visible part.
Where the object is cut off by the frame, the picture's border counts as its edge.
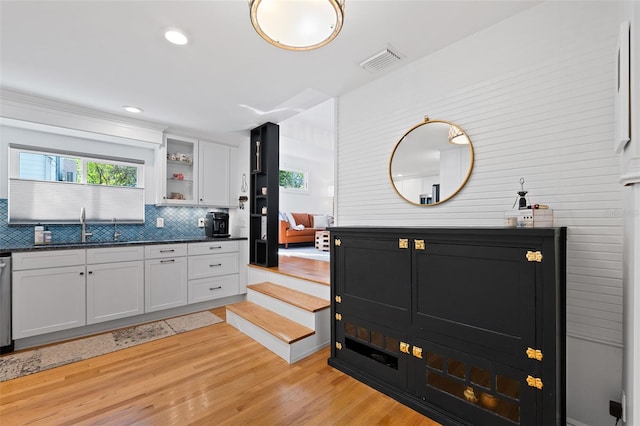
(167, 261)
(216, 264)
(215, 247)
(215, 288)
(167, 251)
(81, 273)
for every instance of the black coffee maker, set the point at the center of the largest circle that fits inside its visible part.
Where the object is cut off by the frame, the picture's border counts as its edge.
(216, 225)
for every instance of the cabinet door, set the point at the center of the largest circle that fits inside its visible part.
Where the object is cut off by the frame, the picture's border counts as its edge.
(179, 171)
(165, 283)
(458, 383)
(373, 278)
(47, 300)
(114, 290)
(477, 298)
(213, 174)
(371, 348)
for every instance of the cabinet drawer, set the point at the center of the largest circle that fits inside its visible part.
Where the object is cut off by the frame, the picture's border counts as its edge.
(165, 250)
(213, 288)
(213, 247)
(48, 259)
(114, 254)
(213, 265)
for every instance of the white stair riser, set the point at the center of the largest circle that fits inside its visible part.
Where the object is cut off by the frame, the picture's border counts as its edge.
(294, 313)
(289, 352)
(257, 275)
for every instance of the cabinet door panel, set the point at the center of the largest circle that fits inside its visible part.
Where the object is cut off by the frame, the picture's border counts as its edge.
(165, 283)
(477, 298)
(114, 290)
(372, 349)
(214, 174)
(47, 300)
(459, 383)
(374, 279)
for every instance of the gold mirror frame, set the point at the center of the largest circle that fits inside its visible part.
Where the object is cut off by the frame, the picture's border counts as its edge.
(422, 147)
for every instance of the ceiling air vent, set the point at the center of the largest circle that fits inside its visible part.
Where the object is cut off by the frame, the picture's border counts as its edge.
(380, 60)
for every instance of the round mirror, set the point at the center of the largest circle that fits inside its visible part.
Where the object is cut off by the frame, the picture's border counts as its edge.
(431, 162)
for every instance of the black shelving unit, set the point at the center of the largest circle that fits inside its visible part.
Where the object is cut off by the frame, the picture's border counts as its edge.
(265, 168)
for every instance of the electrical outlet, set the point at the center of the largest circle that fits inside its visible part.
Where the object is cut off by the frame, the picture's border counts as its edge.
(201, 222)
(615, 409)
(159, 222)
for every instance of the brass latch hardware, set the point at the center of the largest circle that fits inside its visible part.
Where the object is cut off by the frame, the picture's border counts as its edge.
(534, 382)
(403, 243)
(337, 242)
(419, 244)
(338, 299)
(338, 317)
(404, 347)
(534, 256)
(534, 354)
(417, 352)
(338, 345)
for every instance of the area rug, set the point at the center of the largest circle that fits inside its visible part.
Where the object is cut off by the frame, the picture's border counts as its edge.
(305, 252)
(33, 361)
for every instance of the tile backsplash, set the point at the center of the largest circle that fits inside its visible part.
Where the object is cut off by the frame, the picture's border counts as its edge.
(179, 222)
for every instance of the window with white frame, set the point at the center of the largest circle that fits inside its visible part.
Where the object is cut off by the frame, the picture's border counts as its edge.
(52, 187)
(293, 180)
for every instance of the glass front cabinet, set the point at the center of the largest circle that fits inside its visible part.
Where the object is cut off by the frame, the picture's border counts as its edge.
(463, 325)
(195, 172)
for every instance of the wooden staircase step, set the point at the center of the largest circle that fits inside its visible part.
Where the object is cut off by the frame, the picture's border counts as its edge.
(283, 328)
(293, 297)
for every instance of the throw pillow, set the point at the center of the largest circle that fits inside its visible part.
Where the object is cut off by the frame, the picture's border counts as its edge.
(292, 221)
(320, 221)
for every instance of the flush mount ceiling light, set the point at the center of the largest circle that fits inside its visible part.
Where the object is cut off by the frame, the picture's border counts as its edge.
(297, 24)
(176, 37)
(133, 109)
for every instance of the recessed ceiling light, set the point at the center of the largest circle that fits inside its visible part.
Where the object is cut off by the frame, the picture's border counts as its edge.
(133, 109)
(176, 37)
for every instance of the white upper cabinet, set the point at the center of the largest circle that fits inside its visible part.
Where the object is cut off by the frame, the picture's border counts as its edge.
(193, 172)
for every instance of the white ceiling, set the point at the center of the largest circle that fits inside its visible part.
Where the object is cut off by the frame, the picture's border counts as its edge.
(106, 54)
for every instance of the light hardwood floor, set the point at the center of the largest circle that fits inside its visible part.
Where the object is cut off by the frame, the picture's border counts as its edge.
(210, 376)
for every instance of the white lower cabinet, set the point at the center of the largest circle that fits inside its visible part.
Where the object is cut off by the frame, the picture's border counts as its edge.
(48, 298)
(213, 270)
(213, 288)
(165, 276)
(54, 290)
(115, 289)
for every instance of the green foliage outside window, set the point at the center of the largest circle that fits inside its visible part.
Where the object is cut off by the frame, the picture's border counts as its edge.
(111, 174)
(290, 179)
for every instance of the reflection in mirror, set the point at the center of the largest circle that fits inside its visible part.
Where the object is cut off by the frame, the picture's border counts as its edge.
(431, 162)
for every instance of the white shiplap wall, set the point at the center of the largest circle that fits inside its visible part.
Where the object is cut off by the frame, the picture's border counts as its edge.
(535, 95)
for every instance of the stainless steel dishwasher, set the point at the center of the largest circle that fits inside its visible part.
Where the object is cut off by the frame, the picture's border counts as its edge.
(6, 342)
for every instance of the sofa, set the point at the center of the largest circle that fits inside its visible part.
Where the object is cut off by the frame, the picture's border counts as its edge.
(310, 224)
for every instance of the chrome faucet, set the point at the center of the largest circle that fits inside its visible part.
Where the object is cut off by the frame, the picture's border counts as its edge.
(84, 233)
(116, 234)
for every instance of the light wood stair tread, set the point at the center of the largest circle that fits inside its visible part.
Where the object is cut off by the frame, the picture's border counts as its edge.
(293, 297)
(283, 328)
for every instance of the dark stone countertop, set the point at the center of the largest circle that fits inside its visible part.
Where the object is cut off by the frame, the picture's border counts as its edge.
(102, 244)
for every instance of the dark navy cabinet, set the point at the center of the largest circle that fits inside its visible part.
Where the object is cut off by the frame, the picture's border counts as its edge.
(466, 325)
